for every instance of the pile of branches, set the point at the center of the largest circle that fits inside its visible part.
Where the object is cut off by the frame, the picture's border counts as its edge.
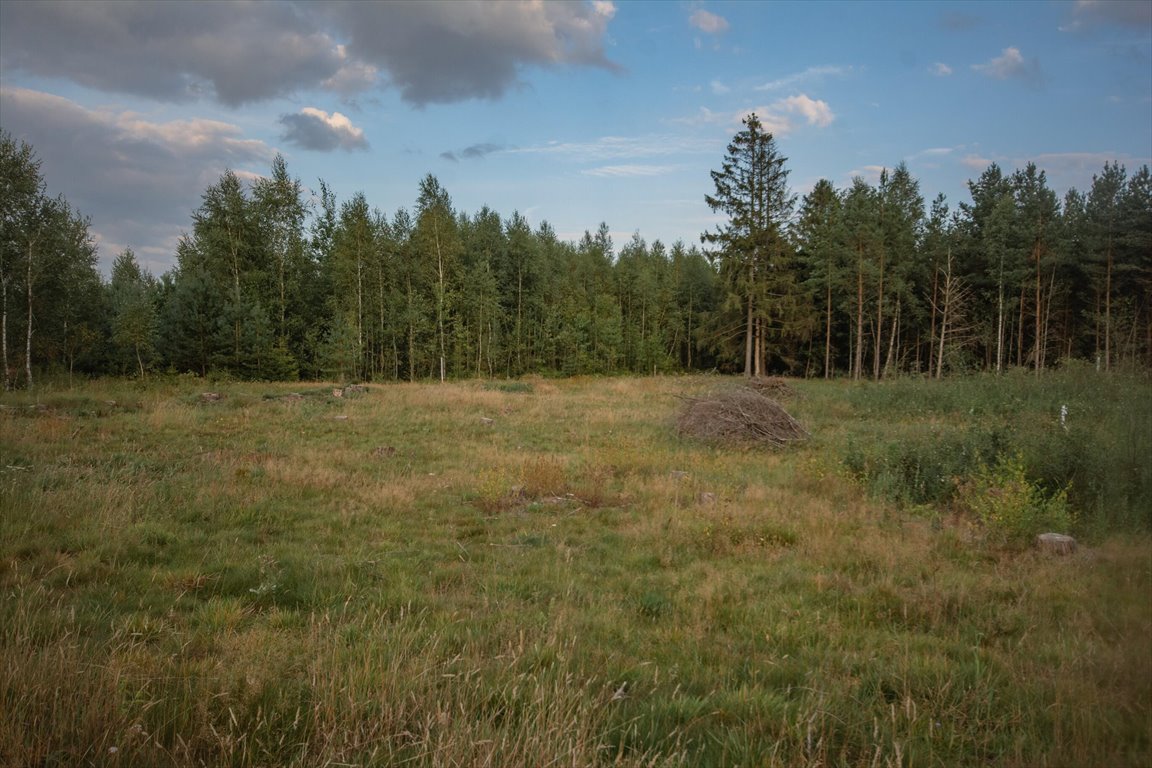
(774, 387)
(739, 416)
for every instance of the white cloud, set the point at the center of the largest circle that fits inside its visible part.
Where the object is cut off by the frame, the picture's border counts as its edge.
(719, 88)
(809, 75)
(940, 69)
(1010, 64)
(870, 173)
(708, 23)
(976, 162)
(315, 129)
(777, 118)
(815, 111)
(610, 148)
(629, 170)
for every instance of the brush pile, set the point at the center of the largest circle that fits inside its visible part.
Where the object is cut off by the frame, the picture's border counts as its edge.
(739, 416)
(774, 387)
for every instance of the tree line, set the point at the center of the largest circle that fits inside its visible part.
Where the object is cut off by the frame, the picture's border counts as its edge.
(275, 282)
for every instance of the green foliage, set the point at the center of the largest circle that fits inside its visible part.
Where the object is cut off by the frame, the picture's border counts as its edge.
(1013, 508)
(940, 435)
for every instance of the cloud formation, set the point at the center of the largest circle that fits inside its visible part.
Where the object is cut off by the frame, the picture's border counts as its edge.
(814, 111)
(1010, 65)
(1126, 13)
(629, 170)
(778, 118)
(248, 51)
(235, 53)
(471, 49)
(940, 69)
(315, 129)
(708, 23)
(138, 180)
(473, 152)
(809, 75)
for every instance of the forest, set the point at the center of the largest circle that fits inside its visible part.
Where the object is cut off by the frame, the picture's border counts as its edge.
(275, 282)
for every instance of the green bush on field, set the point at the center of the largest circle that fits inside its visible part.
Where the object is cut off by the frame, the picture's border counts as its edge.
(1012, 508)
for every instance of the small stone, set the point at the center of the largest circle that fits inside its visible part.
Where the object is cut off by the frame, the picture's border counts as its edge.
(707, 498)
(210, 397)
(338, 392)
(1056, 543)
(487, 421)
(341, 417)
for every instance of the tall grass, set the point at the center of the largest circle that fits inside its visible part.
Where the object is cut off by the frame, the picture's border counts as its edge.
(467, 575)
(916, 441)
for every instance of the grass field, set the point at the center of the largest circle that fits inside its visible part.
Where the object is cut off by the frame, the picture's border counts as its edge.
(541, 572)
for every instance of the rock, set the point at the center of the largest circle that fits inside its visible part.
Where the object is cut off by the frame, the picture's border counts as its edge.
(1056, 543)
(338, 392)
(487, 421)
(706, 498)
(356, 389)
(341, 417)
(211, 397)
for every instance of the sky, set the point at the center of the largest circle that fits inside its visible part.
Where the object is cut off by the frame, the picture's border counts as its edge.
(572, 112)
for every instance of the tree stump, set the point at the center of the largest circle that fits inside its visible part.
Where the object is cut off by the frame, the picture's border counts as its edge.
(1056, 543)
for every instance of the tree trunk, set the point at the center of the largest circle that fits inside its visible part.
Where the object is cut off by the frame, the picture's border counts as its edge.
(411, 334)
(858, 365)
(4, 332)
(889, 360)
(945, 299)
(1108, 308)
(1000, 329)
(749, 341)
(828, 333)
(879, 321)
(28, 335)
(440, 297)
(932, 324)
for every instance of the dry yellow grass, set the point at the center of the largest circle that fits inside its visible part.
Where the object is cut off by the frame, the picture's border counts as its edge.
(390, 579)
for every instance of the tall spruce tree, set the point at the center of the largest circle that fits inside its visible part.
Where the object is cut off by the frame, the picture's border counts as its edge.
(752, 191)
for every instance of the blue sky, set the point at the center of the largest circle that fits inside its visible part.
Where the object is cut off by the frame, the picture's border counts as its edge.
(575, 113)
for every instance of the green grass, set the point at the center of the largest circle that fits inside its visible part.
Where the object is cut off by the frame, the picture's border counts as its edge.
(471, 573)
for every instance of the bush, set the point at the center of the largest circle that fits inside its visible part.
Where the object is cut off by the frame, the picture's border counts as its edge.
(1012, 508)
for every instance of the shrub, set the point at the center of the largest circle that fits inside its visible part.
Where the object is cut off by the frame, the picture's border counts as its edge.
(1012, 508)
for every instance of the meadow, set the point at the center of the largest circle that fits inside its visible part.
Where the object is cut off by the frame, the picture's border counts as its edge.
(543, 573)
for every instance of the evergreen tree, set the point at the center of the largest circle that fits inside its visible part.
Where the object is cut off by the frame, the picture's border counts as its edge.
(821, 245)
(751, 190)
(134, 318)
